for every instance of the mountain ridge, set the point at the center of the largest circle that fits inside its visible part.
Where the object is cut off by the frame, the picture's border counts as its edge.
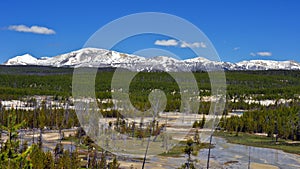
(94, 57)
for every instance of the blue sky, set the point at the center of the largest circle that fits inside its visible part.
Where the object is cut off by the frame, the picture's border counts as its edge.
(240, 30)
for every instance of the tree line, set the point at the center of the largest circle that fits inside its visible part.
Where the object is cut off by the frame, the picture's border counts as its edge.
(14, 154)
(282, 120)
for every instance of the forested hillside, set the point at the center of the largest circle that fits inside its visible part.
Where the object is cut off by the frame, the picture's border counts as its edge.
(246, 90)
(18, 82)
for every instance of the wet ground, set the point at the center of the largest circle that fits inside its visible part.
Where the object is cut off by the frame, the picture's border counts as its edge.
(224, 155)
(229, 156)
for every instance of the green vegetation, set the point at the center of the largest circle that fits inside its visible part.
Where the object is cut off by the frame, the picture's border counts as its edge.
(261, 141)
(40, 118)
(193, 145)
(281, 120)
(19, 82)
(188, 150)
(11, 153)
(16, 155)
(178, 150)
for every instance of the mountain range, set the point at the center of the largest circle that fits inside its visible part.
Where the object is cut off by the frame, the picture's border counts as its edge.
(94, 57)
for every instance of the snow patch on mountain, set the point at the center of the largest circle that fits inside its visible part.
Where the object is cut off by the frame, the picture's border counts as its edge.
(268, 65)
(93, 57)
(26, 59)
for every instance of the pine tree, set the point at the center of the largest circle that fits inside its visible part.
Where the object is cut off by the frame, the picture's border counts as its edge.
(114, 164)
(188, 150)
(103, 163)
(10, 157)
(58, 150)
(42, 123)
(75, 160)
(197, 137)
(202, 122)
(37, 157)
(93, 162)
(49, 161)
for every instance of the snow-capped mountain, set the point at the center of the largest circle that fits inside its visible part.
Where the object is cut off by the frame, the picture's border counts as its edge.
(268, 64)
(92, 57)
(22, 60)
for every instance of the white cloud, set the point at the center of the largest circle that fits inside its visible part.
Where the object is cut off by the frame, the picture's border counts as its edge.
(192, 45)
(252, 54)
(182, 44)
(236, 48)
(32, 29)
(261, 54)
(264, 53)
(170, 42)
